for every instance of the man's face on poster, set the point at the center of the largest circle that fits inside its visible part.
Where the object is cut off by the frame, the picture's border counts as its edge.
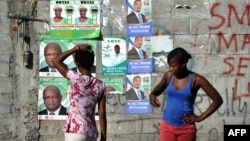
(50, 52)
(52, 98)
(137, 82)
(137, 6)
(138, 42)
(117, 49)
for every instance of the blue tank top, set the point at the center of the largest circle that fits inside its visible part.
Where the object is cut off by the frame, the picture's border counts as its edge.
(178, 102)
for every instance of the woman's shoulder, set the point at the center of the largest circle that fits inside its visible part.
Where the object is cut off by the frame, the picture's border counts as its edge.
(167, 76)
(197, 75)
(199, 79)
(100, 83)
(72, 74)
(99, 80)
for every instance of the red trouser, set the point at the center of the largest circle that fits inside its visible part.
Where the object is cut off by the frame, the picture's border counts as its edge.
(173, 133)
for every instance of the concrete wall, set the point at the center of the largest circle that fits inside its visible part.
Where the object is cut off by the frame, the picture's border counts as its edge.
(215, 32)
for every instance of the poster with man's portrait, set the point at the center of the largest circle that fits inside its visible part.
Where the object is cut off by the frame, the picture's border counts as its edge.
(48, 50)
(53, 103)
(139, 54)
(139, 17)
(138, 88)
(114, 56)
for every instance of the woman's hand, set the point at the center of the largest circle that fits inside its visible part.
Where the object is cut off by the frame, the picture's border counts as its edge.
(191, 118)
(154, 101)
(83, 47)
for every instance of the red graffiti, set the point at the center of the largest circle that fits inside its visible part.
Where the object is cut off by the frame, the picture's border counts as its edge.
(213, 14)
(226, 20)
(237, 66)
(232, 12)
(233, 41)
(236, 95)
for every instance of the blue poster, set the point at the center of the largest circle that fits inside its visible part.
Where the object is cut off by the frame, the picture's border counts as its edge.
(139, 18)
(137, 92)
(139, 55)
(138, 107)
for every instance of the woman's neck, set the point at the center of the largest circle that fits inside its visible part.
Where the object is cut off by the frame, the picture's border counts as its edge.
(184, 73)
(84, 72)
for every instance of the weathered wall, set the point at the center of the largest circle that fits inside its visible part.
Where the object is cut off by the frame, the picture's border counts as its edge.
(214, 31)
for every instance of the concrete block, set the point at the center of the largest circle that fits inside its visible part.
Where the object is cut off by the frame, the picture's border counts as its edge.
(6, 85)
(5, 64)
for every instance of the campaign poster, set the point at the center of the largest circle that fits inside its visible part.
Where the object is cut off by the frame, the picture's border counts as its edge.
(52, 97)
(114, 56)
(138, 88)
(87, 19)
(139, 55)
(138, 107)
(139, 17)
(48, 50)
(114, 85)
(93, 43)
(62, 24)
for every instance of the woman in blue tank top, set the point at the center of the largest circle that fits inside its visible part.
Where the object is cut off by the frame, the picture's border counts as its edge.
(181, 87)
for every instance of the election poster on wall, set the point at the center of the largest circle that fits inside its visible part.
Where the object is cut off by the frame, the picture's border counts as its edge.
(75, 19)
(139, 17)
(114, 85)
(53, 103)
(139, 55)
(138, 88)
(62, 25)
(87, 19)
(114, 56)
(49, 49)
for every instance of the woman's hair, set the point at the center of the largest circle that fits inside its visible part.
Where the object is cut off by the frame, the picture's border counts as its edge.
(85, 58)
(179, 54)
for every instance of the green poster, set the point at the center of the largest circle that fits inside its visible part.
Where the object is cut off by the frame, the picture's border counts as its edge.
(46, 56)
(87, 19)
(51, 98)
(114, 85)
(62, 25)
(114, 56)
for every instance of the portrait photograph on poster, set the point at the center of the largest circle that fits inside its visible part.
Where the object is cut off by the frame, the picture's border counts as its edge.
(53, 103)
(114, 56)
(48, 50)
(62, 24)
(139, 54)
(137, 94)
(139, 17)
